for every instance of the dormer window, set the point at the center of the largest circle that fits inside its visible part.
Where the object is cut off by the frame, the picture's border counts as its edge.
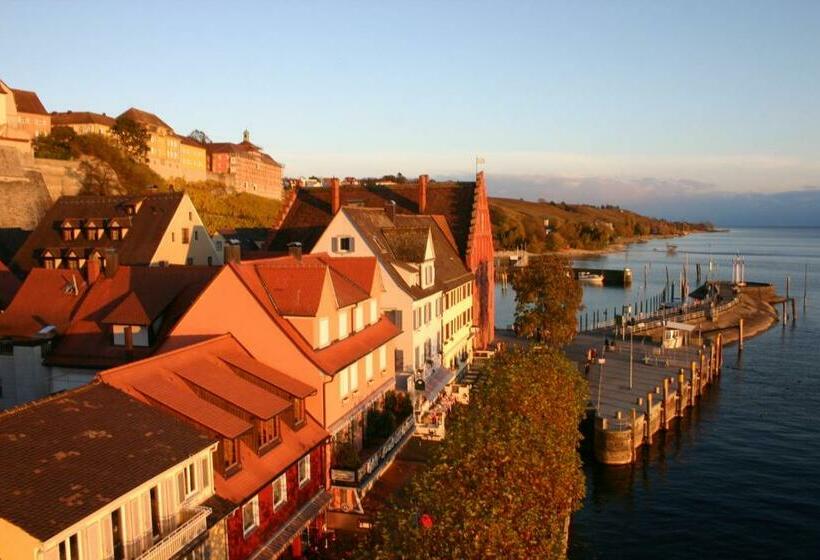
(298, 411)
(67, 232)
(230, 456)
(48, 260)
(72, 261)
(130, 335)
(267, 433)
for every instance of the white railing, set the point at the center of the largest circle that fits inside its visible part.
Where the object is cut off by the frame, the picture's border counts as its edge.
(193, 524)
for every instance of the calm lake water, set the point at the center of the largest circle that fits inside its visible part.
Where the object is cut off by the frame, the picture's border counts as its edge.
(739, 477)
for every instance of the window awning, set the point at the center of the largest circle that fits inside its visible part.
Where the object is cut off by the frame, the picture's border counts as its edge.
(284, 536)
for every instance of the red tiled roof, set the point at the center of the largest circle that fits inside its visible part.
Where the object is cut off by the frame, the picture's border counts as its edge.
(190, 142)
(311, 210)
(144, 117)
(269, 375)
(28, 102)
(241, 148)
(135, 296)
(157, 379)
(67, 456)
(177, 396)
(212, 376)
(329, 362)
(46, 297)
(9, 284)
(146, 227)
(80, 117)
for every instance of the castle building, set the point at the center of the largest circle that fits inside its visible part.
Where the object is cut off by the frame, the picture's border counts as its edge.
(245, 167)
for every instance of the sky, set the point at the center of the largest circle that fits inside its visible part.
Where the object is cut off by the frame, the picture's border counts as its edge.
(633, 103)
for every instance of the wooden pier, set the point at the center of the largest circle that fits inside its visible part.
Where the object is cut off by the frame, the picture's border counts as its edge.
(637, 389)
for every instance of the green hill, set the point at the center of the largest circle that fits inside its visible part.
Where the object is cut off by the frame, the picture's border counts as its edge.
(573, 226)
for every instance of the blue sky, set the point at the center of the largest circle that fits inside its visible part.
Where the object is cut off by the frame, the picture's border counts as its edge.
(712, 96)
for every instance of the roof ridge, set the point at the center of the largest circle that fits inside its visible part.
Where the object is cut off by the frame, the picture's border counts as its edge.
(156, 356)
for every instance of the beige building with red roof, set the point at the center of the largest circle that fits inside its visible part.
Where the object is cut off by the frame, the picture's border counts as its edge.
(83, 122)
(93, 474)
(245, 167)
(22, 118)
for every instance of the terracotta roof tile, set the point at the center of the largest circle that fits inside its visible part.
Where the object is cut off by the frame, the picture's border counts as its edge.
(269, 375)
(28, 102)
(62, 457)
(46, 297)
(154, 379)
(311, 210)
(144, 117)
(80, 117)
(9, 284)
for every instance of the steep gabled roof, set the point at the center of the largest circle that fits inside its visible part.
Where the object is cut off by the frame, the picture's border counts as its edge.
(311, 211)
(400, 243)
(28, 102)
(69, 455)
(240, 148)
(146, 228)
(46, 297)
(144, 118)
(155, 297)
(344, 352)
(80, 117)
(9, 284)
(218, 366)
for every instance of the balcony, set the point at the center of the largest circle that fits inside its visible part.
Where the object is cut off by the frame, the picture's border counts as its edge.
(192, 525)
(374, 461)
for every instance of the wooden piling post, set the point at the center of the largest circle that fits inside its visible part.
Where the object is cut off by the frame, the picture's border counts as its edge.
(649, 418)
(794, 310)
(740, 336)
(664, 405)
(693, 366)
(701, 368)
(681, 394)
(720, 353)
(635, 442)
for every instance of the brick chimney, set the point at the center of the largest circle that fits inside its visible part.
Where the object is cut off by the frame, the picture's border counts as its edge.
(335, 195)
(231, 252)
(112, 262)
(390, 210)
(295, 250)
(423, 179)
(92, 268)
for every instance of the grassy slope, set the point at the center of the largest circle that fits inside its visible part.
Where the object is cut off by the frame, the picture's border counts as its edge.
(575, 226)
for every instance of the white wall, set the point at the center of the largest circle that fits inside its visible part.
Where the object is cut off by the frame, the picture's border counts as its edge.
(173, 251)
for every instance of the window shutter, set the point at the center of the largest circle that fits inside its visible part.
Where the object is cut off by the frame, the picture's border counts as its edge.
(334, 245)
(352, 244)
(181, 486)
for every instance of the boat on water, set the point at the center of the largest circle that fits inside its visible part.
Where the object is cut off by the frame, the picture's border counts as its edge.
(591, 278)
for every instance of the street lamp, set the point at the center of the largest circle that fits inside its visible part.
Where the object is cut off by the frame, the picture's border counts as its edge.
(601, 362)
(631, 333)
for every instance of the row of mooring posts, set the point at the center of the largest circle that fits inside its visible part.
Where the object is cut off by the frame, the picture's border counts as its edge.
(615, 445)
(600, 317)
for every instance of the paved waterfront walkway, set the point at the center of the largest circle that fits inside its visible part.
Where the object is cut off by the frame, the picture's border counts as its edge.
(615, 394)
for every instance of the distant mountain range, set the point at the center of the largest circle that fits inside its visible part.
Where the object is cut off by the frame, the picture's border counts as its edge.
(677, 200)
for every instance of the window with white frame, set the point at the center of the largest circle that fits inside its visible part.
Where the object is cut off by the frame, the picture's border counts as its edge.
(250, 516)
(280, 491)
(186, 482)
(304, 470)
(374, 311)
(359, 325)
(343, 384)
(324, 332)
(70, 548)
(368, 368)
(383, 358)
(343, 324)
(354, 377)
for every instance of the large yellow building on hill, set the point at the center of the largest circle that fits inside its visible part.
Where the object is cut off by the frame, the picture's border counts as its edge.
(170, 155)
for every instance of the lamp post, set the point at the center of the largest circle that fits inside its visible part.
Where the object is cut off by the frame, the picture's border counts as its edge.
(630, 358)
(601, 362)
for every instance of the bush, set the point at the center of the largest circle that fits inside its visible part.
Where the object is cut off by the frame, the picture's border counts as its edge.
(345, 456)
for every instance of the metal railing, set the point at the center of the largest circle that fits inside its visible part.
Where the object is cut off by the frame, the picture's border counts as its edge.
(369, 465)
(192, 526)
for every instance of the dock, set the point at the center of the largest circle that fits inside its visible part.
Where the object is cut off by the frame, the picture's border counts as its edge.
(637, 389)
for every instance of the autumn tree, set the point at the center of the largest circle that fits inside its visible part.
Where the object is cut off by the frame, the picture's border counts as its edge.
(132, 136)
(506, 478)
(56, 144)
(547, 298)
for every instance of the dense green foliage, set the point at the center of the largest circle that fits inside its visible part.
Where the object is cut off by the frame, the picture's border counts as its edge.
(573, 226)
(56, 145)
(547, 298)
(505, 480)
(132, 177)
(132, 136)
(221, 208)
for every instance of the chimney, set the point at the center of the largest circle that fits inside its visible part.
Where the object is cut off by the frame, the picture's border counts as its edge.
(295, 250)
(390, 210)
(423, 179)
(129, 338)
(335, 195)
(231, 252)
(92, 268)
(112, 262)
